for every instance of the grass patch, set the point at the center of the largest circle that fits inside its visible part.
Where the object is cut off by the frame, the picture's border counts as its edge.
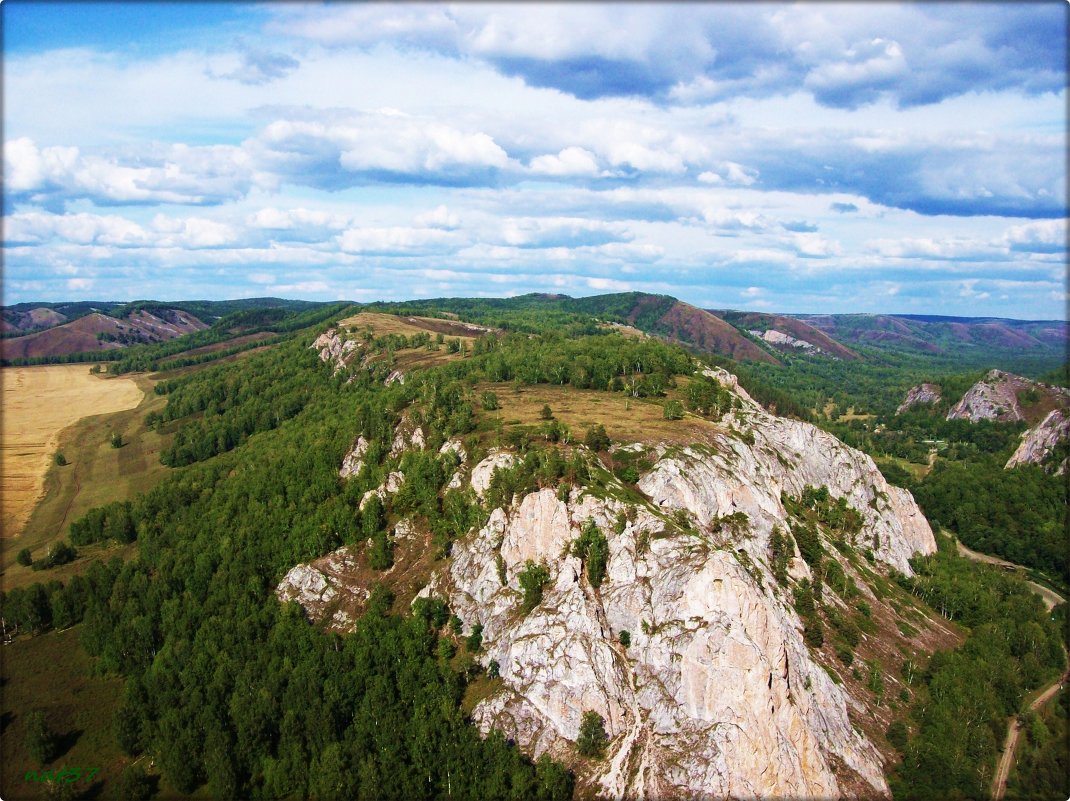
(384, 324)
(479, 689)
(625, 419)
(40, 403)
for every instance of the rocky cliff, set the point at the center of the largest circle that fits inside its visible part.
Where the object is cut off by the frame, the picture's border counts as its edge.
(717, 694)
(689, 644)
(1007, 398)
(994, 397)
(923, 393)
(1040, 440)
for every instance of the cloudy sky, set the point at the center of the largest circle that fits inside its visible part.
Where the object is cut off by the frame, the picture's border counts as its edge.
(802, 158)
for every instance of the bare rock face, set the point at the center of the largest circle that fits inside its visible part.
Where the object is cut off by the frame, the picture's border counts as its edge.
(994, 397)
(1041, 439)
(717, 694)
(454, 446)
(396, 376)
(390, 485)
(775, 337)
(334, 348)
(306, 585)
(327, 588)
(923, 393)
(354, 460)
(407, 435)
(484, 471)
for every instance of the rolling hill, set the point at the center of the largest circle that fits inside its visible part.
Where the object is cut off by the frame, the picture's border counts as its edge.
(947, 335)
(787, 333)
(96, 332)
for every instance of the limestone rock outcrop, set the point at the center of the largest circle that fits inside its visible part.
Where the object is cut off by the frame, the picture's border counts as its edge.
(717, 694)
(923, 393)
(391, 484)
(354, 460)
(334, 348)
(995, 397)
(306, 585)
(774, 337)
(484, 471)
(1041, 439)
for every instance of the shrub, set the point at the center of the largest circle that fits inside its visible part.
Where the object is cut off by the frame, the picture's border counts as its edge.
(532, 578)
(547, 413)
(474, 642)
(40, 739)
(597, 439)
(592, 740)
(135, 784)
(591, 546)
(625, 638)
(24, 558)
(814, 633)
(897, 735)
(673, 410)
(59, 459)
(446, 649)
(117, 440)
(493, 669)
(489, 401)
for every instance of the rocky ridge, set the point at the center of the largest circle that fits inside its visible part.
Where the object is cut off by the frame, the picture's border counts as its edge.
(998, 395)
(335, 349)
(1040, 440)
(923, 393)
(774, 337)
(717, 694)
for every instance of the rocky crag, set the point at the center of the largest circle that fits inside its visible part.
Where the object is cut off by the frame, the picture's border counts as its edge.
(1006, 397)
(1040, 440)
(923, 393)
(690, 647)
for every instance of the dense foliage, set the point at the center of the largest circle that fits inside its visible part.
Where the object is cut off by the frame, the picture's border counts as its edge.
(1019, 514)
(227, 688)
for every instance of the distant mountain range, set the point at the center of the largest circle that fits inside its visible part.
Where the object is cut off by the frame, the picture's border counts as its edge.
(46, 330)
(32, 330)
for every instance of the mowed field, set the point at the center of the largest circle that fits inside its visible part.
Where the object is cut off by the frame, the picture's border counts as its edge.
(38, 404)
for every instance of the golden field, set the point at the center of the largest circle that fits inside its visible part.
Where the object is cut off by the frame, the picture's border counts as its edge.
(38, 403)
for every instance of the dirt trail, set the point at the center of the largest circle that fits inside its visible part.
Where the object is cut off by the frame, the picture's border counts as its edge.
(1014, 728)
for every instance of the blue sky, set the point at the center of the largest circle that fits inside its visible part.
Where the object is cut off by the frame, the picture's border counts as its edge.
(802, 158)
